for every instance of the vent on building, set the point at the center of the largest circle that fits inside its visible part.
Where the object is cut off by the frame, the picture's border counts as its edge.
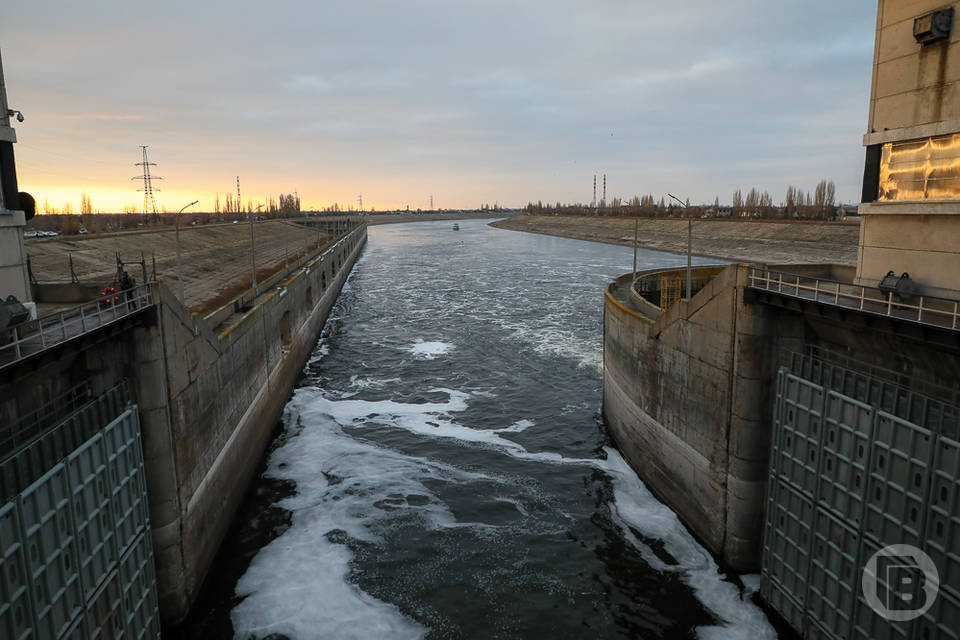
(933, 27)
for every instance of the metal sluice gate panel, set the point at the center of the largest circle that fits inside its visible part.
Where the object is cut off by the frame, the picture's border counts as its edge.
(76, 558)
(847, 479)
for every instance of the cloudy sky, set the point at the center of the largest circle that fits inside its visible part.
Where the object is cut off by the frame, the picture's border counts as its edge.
(472, 101)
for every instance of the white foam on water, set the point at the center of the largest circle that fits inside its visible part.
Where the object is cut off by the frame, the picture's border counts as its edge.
(634, 506)
(430, 350)
(298, 585)
(346, 484)
(432, 419)
(554, 339)
(517, 427)
(319, 353)
(371, 383)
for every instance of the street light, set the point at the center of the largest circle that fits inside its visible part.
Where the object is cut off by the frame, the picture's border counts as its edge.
(253, 255)
(183, 300)
(689, 239)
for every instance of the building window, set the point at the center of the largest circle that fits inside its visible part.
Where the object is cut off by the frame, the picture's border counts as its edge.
(927, 169)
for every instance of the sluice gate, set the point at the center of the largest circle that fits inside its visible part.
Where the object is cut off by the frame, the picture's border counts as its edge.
(76, 558)
(858, 464)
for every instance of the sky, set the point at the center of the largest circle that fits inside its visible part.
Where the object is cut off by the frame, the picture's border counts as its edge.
(470, 101)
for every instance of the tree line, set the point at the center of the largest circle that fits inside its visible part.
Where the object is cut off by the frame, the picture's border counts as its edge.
(819, 204)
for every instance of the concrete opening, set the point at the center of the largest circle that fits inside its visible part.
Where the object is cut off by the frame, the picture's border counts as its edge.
(285, 334)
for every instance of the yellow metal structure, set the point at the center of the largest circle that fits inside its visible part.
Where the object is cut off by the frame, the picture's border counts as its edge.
(671, 288)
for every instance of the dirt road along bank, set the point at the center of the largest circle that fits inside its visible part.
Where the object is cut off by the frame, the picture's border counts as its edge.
(774, 241)
(215, 258)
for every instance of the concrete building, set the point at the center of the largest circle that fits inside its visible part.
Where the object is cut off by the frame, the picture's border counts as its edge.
(911, 182)
(801, 418)
(13, 264)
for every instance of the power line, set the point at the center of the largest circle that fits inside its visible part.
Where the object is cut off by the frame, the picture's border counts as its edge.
(149, 204)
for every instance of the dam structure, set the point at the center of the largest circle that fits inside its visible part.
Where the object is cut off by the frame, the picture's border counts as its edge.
(130, 426)
(801, 419)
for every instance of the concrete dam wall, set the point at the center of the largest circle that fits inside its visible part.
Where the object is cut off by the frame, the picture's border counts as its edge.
(210, 402)
(689, 391)
(210, 391)
(682, 396)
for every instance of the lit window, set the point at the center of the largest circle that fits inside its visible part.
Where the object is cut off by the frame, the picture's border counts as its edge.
(927, 169)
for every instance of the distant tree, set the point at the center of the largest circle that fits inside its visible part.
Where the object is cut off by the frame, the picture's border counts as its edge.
(289, 205)
(68, 208)
(85, 206)
(752, 203)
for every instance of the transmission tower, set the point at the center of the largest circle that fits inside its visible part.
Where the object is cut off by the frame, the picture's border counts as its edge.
(593, 203)
(149, 204)
(239, 205)
(431, 202)
(360, 201)
(604, 189)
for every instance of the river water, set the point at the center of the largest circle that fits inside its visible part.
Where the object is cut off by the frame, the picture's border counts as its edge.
(442, 470)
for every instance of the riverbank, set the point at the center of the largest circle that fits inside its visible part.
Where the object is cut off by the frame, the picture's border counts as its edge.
(772, 241)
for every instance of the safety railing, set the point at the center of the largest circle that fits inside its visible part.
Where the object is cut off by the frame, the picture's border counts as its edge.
(32, 336)
(928, 310)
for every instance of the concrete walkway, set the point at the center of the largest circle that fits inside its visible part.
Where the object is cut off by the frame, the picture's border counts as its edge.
(35, 336)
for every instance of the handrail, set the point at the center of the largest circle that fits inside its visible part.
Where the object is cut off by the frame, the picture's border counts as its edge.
(33, 336)
(929, 310)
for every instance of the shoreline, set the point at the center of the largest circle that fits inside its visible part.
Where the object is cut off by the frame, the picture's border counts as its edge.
(770, 241)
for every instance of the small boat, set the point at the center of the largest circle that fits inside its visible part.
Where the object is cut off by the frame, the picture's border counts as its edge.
(456, 227)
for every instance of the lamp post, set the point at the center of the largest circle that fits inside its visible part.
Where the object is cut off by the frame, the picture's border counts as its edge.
(689, 240)
(183, 300)
(253, 255)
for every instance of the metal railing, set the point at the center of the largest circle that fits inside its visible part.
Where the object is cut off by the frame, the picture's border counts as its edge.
(938, 312)
(33, 336)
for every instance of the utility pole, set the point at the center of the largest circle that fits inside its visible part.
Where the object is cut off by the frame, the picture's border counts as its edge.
(604, 201)
(149, 204)
(689, 240)
(183, 299)
(431, 202)
(636, 228)
(253, 251)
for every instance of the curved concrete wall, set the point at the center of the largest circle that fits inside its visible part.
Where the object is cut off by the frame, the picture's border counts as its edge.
(684, 396)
